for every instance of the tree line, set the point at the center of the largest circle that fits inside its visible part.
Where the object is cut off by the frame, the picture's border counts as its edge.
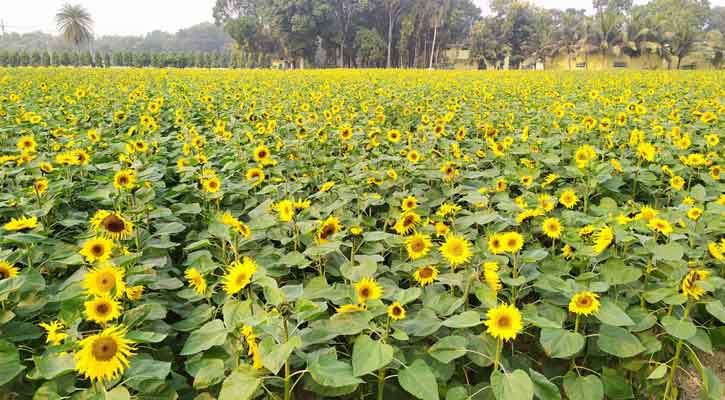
(415, 33)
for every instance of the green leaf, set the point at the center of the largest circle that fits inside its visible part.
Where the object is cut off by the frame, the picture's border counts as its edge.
(716, 309)
(9, 362)
(118, 393)
(274, 358)
(561, 343)
(658, 372)
(615, 272)
(448, 349)
(240, 385)
(616, 386)
(211, 334)
(618, 342)
(711, 385)
(678, 328)
(418, 380)
(328, 371)
(370, 355)
(610, 313)
(169, 229)
(543, 388)
(465, 319)
(668, 252)
(512, 386)
(583, 387)
(51, 365)
(210, 372)
(143, 369)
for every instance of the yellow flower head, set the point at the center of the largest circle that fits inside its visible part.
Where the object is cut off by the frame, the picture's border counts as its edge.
(7, 270)
(456, 250)
(409, 203)
(368, 289)
(417, 245)
(406, 222)
(105, 280)
(327, 228)
(504, 322)
(124, 179)
(690, 286)
(660, 225)
(239, 275)
(396, 312)
(104, 356)
(196, 280)
(111, 225)
(552, 228)
(97, 249)
(602, 239)
(584, 303)
(102, 309)
(491, 277)
(52, 329)
(22, 223)
(351, 308)
(425, 275)
(512, 242)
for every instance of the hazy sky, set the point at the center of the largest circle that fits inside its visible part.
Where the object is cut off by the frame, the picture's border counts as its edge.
(137, 17)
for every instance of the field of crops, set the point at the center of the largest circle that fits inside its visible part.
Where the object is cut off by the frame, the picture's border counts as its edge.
(360, 234)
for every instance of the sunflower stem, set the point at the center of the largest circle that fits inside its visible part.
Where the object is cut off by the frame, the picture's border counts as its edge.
(381, 371)
(676, 359)
(287, 374)
(497, 360)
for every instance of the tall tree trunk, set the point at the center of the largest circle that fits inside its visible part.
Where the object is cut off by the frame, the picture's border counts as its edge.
(390, 39)
(433, 46)
(568, 58)
(341, 59)
(679, 61)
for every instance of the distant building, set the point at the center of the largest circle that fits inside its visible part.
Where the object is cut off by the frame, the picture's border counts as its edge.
(458, 57)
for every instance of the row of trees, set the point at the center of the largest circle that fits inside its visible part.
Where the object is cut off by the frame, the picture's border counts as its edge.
(668, 29)
(355, 33)
(216, 59)
(413, 33)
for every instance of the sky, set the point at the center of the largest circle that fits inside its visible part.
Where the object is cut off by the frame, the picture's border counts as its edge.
(138, 17)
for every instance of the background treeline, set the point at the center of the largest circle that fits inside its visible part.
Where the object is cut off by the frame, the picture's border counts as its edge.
(215, 59)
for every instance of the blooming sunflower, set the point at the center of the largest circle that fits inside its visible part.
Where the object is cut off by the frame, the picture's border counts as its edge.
(512, 242)
(417, 245)
(40, 186)
(285, 210)
(124, 179)
(396, 312)
(407, 222)
(426, 275)
(660, 225)
(504, 322)
(102, 309)
(490, 276)
(327, 186)
(584, 303)
(52, 329)
(238, 275)
(327, 228)
(568, 198)
(105, 280)
(261, 154)
(690, 286)
(19, 224)
(111, 225)
(456, 250)
(134, 292)
(694, 213)
(602, 239)
(104, 356)
(496, 244)
(368, 289)
(552, 228)
(409, 203)
(97, 249)
(7, 270)
(211, 185)
(351, 308)
(715, 251)
(196, 280)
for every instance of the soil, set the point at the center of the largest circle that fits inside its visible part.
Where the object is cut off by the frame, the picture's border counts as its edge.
(690, 383)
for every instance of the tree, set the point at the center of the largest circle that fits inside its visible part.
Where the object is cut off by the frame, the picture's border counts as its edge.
(609, 17)
(75, 25)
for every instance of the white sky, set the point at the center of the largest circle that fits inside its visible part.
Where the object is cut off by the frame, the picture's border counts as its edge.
(137, 17)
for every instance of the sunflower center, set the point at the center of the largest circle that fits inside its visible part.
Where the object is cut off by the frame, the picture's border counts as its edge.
(426, 273)
(397, 311)
(98, 250)
(417, 245)
(262, 154)
(408, 220)
(106, 282)
(4, 273)
(241, 278)
(327, 231)
(123, 180)
(504, 322)
(113, 224)
(103, 309)
(584, 301)
(104, 349)
(365, 292)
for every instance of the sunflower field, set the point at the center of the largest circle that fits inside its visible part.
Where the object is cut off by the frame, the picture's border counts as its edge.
(361, 234)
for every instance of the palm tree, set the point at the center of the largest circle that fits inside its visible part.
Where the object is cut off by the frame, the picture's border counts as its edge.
(75, 24)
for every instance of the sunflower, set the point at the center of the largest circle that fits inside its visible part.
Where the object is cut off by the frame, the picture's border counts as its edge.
(19, 224)
(255, 176)
(111, 225)
(40, 186)
(568, 198)
(602, 239)
(406, 222)
(690, 286)
(490, 276)
(647, 213)
(261, 154)
(52, 329)
(660, 225)
(584, 303)
(409, 203)
(504, 322)
(134, 293)
(104, 356)
(351, 308)
(512, 242)
(327, 228)
(105, 280)
(196, 280)
(7, 270)
(327, 186)
(712, 248)
(396, 312)
(102, 309)
(368, 289)
(253, 348)
(211, 185)
(27, 144)
(694, 213)
(567, 252)
(394, 136)
(413, 156)
(456, 250)
(417, 245)
(496, 244)
(441, 229)
(97, 249)
(426, 275)
(552, 228)
(285, 210)
(677, 182)
(239, 275)
(124, 179)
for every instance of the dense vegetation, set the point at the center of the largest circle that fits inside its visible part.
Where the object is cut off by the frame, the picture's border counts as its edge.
(357, 234)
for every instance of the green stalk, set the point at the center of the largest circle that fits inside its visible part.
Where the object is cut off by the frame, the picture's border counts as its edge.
(287, 375)
(381, 371)
(497, 360)
(676, 360)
